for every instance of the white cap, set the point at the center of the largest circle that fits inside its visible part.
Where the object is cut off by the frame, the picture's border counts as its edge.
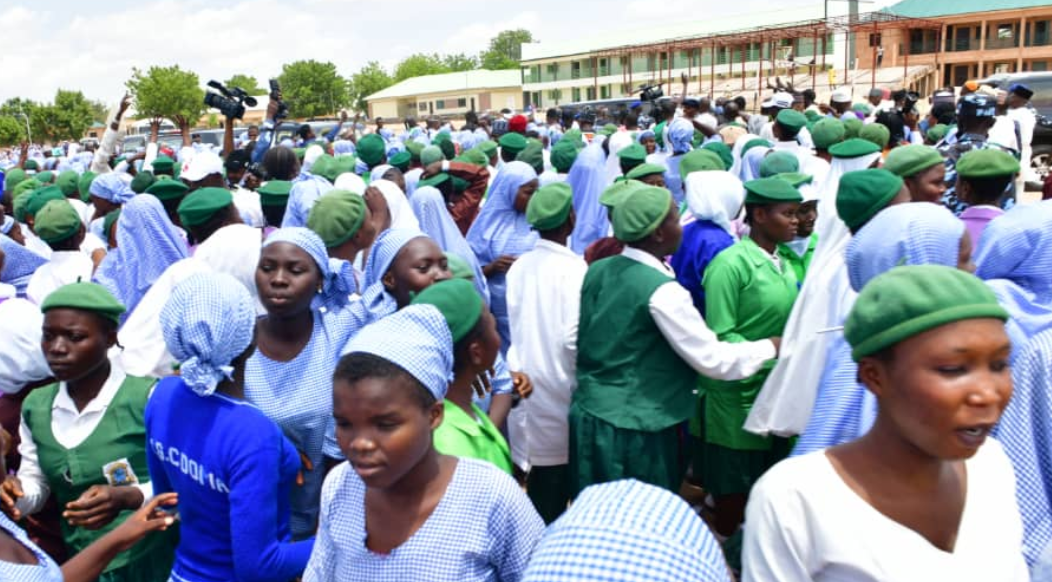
(840, 96)
(203, 164)
(312, 154)
(782, 100)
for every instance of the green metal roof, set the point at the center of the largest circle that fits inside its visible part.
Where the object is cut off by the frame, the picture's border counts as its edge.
(931, 8)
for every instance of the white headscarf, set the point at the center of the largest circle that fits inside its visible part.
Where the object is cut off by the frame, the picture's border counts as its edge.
(716, 196)
(351, 182)
(736, 151)
(310, 156)
(401, 212)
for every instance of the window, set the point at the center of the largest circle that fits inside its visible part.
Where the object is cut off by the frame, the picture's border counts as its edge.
(1039, 35)
(462, 102)
(440, 104)
(422, 106)
(604, 92)
(575, 94)
(874, 39)
(589, 94)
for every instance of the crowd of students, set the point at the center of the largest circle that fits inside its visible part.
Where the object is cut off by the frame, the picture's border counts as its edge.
(504, 351)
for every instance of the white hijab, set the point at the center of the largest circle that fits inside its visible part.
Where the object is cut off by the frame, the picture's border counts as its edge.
(351, 182)
(401, 211)
(716, 196)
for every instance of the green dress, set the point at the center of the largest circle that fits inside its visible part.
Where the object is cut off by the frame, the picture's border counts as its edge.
(747, 298)
(800, 264)
(462, 436)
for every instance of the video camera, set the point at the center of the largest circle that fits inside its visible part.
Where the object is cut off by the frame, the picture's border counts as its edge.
(283, 106)
(650, 93)
(229, 101)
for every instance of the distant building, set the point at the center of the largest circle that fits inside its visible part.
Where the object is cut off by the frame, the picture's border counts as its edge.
(448, 94)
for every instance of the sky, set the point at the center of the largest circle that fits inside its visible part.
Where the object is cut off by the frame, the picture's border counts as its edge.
(93, 46)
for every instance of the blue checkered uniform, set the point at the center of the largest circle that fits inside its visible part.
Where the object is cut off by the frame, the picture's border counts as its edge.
(44, 571)
(19, 264)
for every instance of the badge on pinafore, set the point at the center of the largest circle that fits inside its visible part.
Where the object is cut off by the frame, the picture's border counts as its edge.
(119, 472)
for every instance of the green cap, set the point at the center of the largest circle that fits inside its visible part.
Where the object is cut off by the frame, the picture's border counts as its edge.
(854, 148)
(720, 149)
(699, 161)
(575, 137)
(778, 162)
(863, 108)
(201, 205)
(550, 206)
(345, 164)
(910, 160)
(877, 133)
(827, 132)
(563, 155)
(458, 301)
(56, 221)
(459, 267)
(13, 177)
(337, 216)
(533, 155)
(414, 148)
(645, 170)
(796, 179)
(163, 164)
(752, 143)
(488, 147)
(864, 193)
(792, 119)
(400, 160)
(475, 157)
(32, 165)
(85, 297)
(110, 220)
(936, 133)
(371, 149)
(616, 192)
(142, 181)
(771, 191)
(607, 130)
(326, 167)
(84, 185)
(45, 177)
(512, 142)
(431, 154)
(38, 198)
(640, 212)
(167, 188)
(909, 300)
(988, 163)
(274, 193)
(67, 182)
(852, 126)
(633, 153)
(433, 181)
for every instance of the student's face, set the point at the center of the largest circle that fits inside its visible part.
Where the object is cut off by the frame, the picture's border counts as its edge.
(381, 428)
(944, 389)
(253, 134)
(929, 185)
(806, 215)
(523, 195)
(420, 264)
(778, 221)
(16, 234)
(75, 342)
(650, 144)
(489, 343)
(287, 279)
(654, 180)
(395, 175)
(964, 254)
(103, 206)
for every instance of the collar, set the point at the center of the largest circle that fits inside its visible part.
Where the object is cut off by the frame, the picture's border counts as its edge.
(59, 258)
(646, 258)
(101, 402)
(554, 248)
(457, 418)
(982, 211)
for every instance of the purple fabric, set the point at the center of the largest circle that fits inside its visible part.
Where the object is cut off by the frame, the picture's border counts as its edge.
(975, 219)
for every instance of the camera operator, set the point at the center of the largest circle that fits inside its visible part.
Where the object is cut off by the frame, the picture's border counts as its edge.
(266, 134)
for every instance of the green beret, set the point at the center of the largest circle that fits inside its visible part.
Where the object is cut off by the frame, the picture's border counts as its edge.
(13, 177)
(414, 148)
(854, 148)
(488, 147)
(863, 108)
(442, 136)
(909, 300)
(752, 143)
(513, 142)
(162, 164)
(475, 157)
(533, 155)
(45, 177)
(936, 133)
(863, 193)
(168, 189)
(345, 164)
(201, 205)
(827, 132)
(142, 181)
(300, 153)
(110, 220)
(778, 162)
(575, 137)
(433, 181)
(85, 297)
(84, 185)
(797, 179)
(812, 115)
(400, 160)
(459, 303)
(910, 160)
(877, 133)
(791, 119)
(608, 130)
(42, 196)
(988, 163)
(274, 193)
(371, 150)
(852, 125)
(563, 155)
(67, 182)
(699, 161)
(459, 267)
(337, 216)
(720, 149)
(32, 165)
(56, 221)
(459, 184)
(26, 186)
(431, 154)
(325, 166)
(616, 192)
(633, 153)
(449, 151)
(771, 191)
(640, 213)
(550, 206)
(645, 170)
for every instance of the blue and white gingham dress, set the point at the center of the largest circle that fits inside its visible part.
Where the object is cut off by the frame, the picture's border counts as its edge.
(484, 528)
(44, 571)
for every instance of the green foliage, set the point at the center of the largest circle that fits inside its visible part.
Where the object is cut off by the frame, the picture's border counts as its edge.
(505, 49)
(99, 111)
(167, 92)
(72, 115)
(371, 79)
(313, 88)
(460, 62)
(246, 82)
(418, 65)
(12, 131)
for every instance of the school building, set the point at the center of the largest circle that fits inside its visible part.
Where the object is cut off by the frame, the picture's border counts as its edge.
(448, 95)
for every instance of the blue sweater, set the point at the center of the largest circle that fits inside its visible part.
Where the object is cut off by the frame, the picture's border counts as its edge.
(702, 241)
(233, 469)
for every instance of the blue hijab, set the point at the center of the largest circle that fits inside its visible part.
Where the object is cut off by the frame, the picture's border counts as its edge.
(382, 254)
(19, 264)
(335, 288)
(499, 228)
(587, 179)
(431, 211)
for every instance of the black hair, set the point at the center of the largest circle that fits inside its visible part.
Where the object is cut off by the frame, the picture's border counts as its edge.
(787, 133)
(273, 213)
(236, 160)
(358, 366)
(281, 163)
(740, 100)
(70, 243)
(628, 165)
(944, 113)
(750, 211)
(533, 133)
(460, 355)
(987, 190)
(553, 113)
(221, 218)
(809, 95)
(303, 131)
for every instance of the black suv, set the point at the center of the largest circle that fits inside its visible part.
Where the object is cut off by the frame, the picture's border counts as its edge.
(1041, 85)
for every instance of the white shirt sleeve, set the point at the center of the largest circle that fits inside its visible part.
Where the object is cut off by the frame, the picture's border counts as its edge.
(690, 337)
(100, 164)
(34, 484)
(151, 154)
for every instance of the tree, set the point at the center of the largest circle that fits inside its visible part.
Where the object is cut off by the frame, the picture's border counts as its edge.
(72, 115)
(418, 65)
(460, 62)
(12, 130)
(168, 92)
(99, 111)
(246, 82)
(313, 88)
(505, 49)
(370, 79)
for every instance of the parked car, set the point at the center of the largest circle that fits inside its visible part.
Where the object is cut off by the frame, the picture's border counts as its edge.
(1041, 102)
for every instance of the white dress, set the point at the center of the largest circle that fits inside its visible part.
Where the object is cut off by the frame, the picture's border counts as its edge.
(804, 523)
